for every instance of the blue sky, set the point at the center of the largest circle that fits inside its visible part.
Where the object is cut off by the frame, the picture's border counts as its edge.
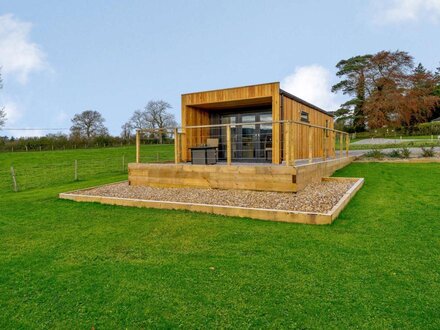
(59, 58)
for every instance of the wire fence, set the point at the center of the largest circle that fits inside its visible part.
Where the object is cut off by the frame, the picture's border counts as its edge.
(23, 176)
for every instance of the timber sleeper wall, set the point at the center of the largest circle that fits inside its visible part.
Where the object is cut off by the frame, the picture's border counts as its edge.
(313, 173)
(245, 177)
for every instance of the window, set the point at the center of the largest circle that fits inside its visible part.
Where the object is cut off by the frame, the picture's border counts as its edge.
(304, 116)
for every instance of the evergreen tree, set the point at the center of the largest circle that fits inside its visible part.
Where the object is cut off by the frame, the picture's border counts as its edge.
(353, 84)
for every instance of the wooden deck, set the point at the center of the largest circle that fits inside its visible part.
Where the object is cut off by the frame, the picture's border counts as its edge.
(262, 177)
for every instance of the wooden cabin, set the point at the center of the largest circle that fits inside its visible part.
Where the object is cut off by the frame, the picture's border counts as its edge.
(242, 128)
(263, 118)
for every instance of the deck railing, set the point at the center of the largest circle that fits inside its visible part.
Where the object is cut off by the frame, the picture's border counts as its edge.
(272, 141)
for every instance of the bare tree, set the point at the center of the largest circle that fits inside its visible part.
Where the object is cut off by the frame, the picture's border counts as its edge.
(2, 109)
(127, 129)
(159, 117)
(158, 114)
(88, 124)
(140, 120)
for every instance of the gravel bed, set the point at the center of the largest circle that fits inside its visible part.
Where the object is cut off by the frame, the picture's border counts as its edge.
(319, 197)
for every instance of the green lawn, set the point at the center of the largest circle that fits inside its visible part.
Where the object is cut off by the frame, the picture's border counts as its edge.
(77, 265)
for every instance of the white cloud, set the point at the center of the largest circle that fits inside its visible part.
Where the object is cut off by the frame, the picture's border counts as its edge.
(62, 118)
(313, 84)
(399, 11)
(18, 55)
(13, 113)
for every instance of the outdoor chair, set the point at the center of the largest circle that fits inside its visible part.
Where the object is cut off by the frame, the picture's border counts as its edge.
(213, 143)
(268, 147)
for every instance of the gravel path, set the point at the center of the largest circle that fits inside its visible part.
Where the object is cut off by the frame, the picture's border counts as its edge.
(382, 141)
(320, 197)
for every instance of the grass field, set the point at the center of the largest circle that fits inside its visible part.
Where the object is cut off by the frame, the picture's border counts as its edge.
(47, 168)
(77, 265)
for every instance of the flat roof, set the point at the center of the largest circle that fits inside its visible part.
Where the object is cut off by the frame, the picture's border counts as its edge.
(282, 92)
(224, 89)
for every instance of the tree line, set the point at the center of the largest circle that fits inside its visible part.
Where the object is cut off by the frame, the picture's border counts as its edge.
(88, 130)
(386, 89)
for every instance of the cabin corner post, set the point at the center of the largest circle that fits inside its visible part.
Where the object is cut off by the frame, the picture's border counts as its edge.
(310, 143)
(276, 124)
(138, 146)
(228, 145)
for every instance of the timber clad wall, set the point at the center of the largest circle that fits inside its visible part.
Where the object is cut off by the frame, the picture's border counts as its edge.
(196, 109)
(292, 111)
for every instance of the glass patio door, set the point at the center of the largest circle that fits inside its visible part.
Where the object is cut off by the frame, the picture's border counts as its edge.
(250, 142)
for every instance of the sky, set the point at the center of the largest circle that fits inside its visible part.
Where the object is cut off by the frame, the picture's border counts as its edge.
(59, 58)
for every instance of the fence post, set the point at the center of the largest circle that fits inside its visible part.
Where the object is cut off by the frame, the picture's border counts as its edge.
(76, 170)
(123, 163)
(310, 144)
(324, 142)
(228, 145)
(347, 144)
(176, 146)
(14, 180)
(138, 146)
(157, 157)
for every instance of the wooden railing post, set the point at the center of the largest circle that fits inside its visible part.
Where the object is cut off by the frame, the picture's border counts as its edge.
(138, 146)
(333, 144)
(176, 146)
(347, 144)
(287, 126)
(292, 143)
(310, 144)
(228, 145)
(341, 143)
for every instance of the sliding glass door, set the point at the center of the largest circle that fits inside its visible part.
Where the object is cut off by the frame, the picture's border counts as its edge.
(251, 142)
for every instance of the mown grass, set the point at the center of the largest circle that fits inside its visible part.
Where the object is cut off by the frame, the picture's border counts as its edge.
(77, 265)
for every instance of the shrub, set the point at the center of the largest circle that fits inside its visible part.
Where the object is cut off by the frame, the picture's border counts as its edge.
(428, 152)
(394, 154)
(405, 152)
(432, 128)
(375, 153)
